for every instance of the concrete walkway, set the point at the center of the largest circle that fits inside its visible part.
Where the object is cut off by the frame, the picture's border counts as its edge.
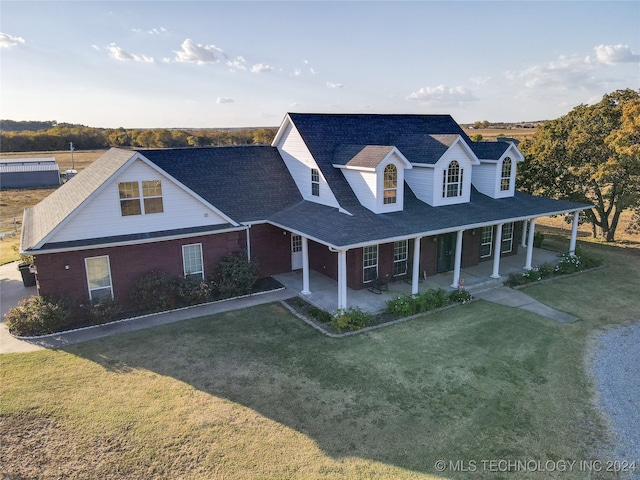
(516, 299)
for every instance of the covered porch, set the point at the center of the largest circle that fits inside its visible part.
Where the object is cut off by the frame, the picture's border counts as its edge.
(324, 290)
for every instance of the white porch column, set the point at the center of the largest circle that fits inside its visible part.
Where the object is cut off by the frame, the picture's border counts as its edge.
(523, 240)
(532, 228)
(574, 234)
(342, 279)
(458, 260)
(305, 266)
(415, 274)
(496, 252)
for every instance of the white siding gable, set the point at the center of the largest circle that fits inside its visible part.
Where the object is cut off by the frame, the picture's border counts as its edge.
(426, 181)
(487, 177)
(101, 216)
(368, 184)
(299, 161)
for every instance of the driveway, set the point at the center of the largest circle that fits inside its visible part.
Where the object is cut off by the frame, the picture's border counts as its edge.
(11, 292)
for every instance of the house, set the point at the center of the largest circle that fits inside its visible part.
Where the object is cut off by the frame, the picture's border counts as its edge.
(358, 198)
(29, 172)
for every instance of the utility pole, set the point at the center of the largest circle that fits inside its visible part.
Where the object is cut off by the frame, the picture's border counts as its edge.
(73, 164)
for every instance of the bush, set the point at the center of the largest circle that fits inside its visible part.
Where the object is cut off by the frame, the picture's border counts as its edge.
(320, 315)
(403, 306)
(546, 270)
(538, 239)
(103, 311)
(352, 318)
(155, 292)
(569, 264)
(516, 279)
(459, 296)
(532, 275)
(193, 290)
(236, 275)
(406, 305)
(38, 316)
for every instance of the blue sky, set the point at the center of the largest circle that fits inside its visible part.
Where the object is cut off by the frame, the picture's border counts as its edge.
(231, 64)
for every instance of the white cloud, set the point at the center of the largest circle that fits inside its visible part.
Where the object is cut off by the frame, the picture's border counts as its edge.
(443, 94)
(95, 47)
(615, 54)
(313, 72)
(481, 80)
(119, 54)
(334, 85)
(224, 100)
(261, 68)
(238, 64)
(7, 40)
(297, 72)
(197, 53)
(566, 72)
(153, 31)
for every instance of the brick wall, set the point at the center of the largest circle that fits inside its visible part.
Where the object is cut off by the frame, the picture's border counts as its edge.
(64, 273)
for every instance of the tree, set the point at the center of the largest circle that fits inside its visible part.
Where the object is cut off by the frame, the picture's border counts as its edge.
(589, 155)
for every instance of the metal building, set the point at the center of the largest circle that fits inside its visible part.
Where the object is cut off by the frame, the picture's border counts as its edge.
(29, 172)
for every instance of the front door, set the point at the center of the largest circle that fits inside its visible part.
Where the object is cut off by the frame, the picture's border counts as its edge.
(446, 252)
(296, 252)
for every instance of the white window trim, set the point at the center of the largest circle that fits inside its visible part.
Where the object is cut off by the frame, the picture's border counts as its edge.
(507, 177)
(446, 183)
(507, 239)
(315, 183)
(184, 263)
(389, 189)
(86, 269)
(490, 243)
(402, 260)
(366, 267)
(141, 197)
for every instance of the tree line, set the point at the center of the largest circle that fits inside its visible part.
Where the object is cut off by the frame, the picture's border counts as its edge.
(58, 137)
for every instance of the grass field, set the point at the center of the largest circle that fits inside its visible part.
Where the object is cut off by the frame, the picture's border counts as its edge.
(490, 134)
(258, 394)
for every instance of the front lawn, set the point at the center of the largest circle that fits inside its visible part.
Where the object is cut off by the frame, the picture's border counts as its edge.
(259, 394)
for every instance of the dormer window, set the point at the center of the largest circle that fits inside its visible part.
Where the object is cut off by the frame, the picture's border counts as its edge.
(315, 182)
(452, 180)
(505, 180)
(390, 184)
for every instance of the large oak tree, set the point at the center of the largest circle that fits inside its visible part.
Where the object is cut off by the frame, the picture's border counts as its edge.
(592, 155)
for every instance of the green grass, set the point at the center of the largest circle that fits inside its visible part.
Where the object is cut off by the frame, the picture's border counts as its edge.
(258, 394)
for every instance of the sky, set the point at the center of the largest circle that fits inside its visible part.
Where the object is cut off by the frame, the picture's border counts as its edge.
(206, 64)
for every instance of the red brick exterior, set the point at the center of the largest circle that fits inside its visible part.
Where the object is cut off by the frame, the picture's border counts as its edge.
(271, 248)
(128, 263)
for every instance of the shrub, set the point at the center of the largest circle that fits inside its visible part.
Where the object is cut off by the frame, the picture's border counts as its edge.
(587, 260)
(546, 270)
(193, 290)
(459, 296)
(403, 306)
(236, 275)
(38, 316)
(155, 292)
(532, 275)
(538, 239)
(569, 264)
(352, 318)
(320, 315)
(516, 279)
(103, 311)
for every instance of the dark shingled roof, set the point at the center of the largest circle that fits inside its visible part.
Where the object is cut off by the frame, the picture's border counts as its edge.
(338, 229)
(247, 183)
(489, 150)
(368, 156)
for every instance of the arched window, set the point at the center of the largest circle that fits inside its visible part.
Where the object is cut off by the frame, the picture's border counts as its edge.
(452, 181)
(390, 184)
(505, 181)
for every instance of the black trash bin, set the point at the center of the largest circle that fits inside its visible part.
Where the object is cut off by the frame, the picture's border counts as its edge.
(28, 278)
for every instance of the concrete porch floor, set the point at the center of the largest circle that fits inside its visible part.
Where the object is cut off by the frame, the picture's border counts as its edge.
(324, 290)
